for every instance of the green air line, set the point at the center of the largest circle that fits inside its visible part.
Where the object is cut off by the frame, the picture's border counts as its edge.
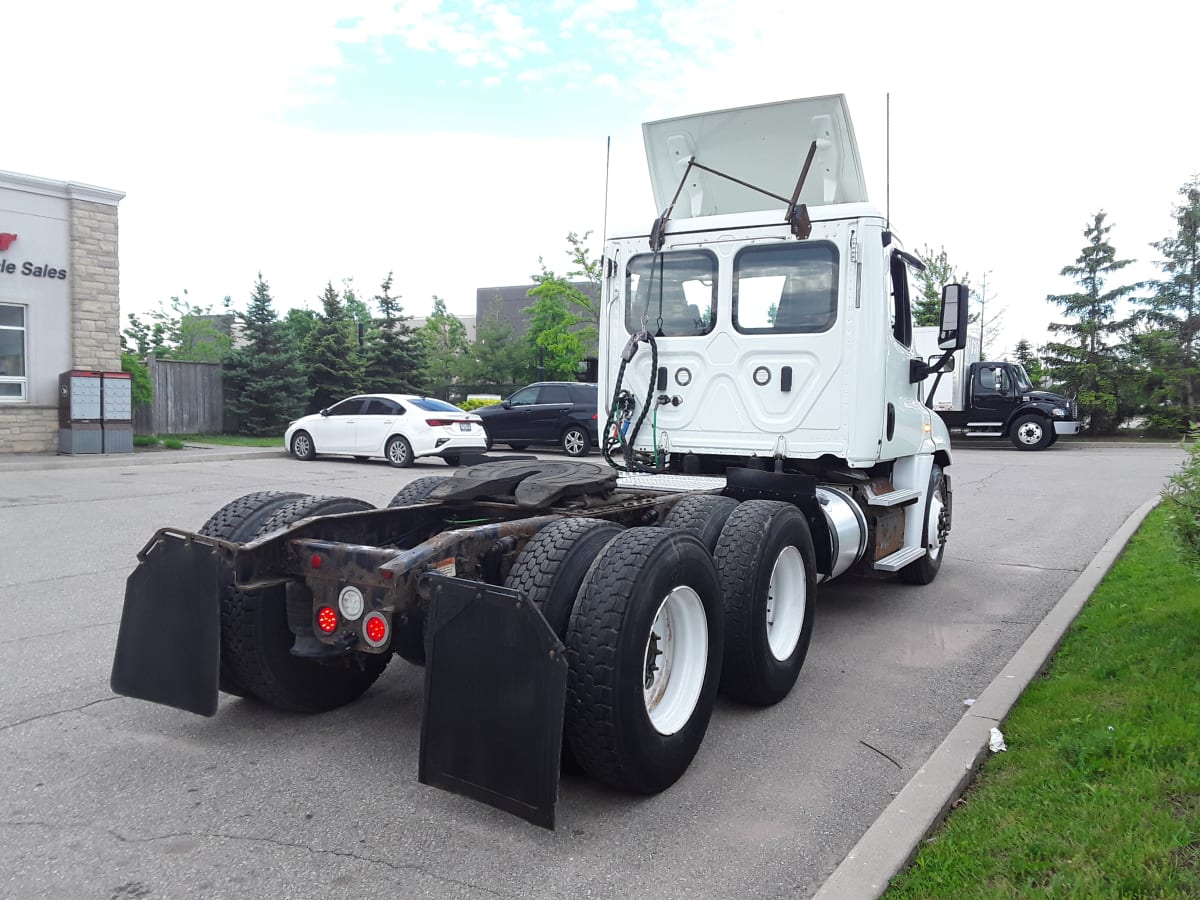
(654, 434)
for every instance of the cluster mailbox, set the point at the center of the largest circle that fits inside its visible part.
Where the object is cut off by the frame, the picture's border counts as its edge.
(95, 412)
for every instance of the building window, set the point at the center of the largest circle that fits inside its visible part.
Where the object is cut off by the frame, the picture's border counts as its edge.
(13, 381)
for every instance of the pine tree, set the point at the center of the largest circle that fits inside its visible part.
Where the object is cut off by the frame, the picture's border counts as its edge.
(497, 359)
(1029, 361)
(443, 338)
(1172, 311)
(333, 373)
(265, 387)
(927, 299)
(394, 358)
(1089, 361)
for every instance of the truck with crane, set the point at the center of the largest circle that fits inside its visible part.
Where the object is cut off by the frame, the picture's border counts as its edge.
(763, 434)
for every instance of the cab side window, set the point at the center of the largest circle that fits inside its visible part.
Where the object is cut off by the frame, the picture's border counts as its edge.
(901, 304)
(554, 393)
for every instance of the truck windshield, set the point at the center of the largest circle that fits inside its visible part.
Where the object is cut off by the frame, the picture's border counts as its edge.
(671, 294)
(1022, 378)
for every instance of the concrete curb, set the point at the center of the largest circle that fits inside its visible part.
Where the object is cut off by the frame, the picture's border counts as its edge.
(889, 844)
(157, 458)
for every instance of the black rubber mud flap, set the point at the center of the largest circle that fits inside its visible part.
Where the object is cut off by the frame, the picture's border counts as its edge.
(495, 692)
(169, 645)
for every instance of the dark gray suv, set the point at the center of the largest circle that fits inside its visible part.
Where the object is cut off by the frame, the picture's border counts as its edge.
(562, 413)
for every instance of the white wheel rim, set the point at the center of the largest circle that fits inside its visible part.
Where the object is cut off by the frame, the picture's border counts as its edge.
(675, 660)
(398, 453)
(1030, 433)
(301, 446)
(933, 526)
(573, 442)
(787, 599)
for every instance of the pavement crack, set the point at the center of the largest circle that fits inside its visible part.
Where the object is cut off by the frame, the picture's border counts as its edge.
(275, 842)
(58, 634)
(58, 712)
(881, 753)
(1013, 565)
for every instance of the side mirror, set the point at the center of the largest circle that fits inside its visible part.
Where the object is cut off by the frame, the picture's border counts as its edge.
(953, 332)
(507, 404)
(948, 366)
(324, 412)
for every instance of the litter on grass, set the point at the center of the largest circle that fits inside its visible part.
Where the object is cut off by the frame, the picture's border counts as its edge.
(996, 741)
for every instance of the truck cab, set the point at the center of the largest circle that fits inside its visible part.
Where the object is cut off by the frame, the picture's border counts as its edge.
(995, 399)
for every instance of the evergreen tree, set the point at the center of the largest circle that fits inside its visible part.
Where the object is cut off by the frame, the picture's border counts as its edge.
(333, 372)
(394, 358)
(265, 387)
(444, 341)
(927, 299)
(497, 359)
(1090, 360)
(1171, 341)
(1029, 362)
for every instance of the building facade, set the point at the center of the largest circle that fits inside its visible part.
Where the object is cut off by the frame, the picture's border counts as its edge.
(59, 299)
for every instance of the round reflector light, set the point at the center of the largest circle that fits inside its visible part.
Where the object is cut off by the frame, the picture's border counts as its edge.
(350, 602)
(375, 629)
(327, 619)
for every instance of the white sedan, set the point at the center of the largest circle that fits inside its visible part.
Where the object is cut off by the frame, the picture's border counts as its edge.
(397, 427)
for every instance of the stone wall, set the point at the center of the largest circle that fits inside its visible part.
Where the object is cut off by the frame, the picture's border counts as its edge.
(28, 429)
(95, 298)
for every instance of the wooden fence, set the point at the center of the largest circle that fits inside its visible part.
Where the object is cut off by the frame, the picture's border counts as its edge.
(188, 399)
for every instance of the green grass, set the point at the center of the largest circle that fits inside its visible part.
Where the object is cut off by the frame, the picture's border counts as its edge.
(234, 440)
(1099, 792)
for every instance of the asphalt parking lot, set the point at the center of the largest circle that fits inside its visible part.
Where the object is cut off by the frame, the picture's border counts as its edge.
(110, 797)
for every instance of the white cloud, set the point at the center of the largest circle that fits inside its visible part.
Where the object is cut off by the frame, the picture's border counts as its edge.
(1009, 129)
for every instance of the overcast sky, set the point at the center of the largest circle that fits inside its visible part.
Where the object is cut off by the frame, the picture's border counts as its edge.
(456, 142)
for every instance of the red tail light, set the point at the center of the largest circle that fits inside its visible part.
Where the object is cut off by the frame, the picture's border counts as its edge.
(439, 423)
(327, 619)
(375, 629)
(595, 416)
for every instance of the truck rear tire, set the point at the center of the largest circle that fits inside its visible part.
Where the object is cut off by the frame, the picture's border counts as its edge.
(925, 569)
(644, 659)
(416, 491)
(552, 567)
(767, 569)
(237, 521)
(1031, 432)
(704, 515)
(254, 628)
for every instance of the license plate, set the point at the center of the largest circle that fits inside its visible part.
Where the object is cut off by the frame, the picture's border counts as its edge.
(464, 426)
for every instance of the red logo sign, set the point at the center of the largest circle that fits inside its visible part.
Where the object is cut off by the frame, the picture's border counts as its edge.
(6, 240)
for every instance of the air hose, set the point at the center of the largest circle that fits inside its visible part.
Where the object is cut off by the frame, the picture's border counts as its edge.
(620, 411)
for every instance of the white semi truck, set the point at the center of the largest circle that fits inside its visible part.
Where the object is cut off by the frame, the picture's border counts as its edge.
(764, 433)
(988, 399)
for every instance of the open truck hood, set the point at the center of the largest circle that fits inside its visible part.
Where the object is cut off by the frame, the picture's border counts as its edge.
(763, 145)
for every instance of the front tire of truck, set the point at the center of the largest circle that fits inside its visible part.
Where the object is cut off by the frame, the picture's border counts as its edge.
(925, 569)
(767, 568)
(644, 658)
(238, 521)
(1031, 432)
(254, 628)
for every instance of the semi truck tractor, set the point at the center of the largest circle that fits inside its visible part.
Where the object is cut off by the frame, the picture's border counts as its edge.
(763, 434)
(978, 398)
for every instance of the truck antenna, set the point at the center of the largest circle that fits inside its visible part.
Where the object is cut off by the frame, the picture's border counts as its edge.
(887, 155)
(604, 225)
